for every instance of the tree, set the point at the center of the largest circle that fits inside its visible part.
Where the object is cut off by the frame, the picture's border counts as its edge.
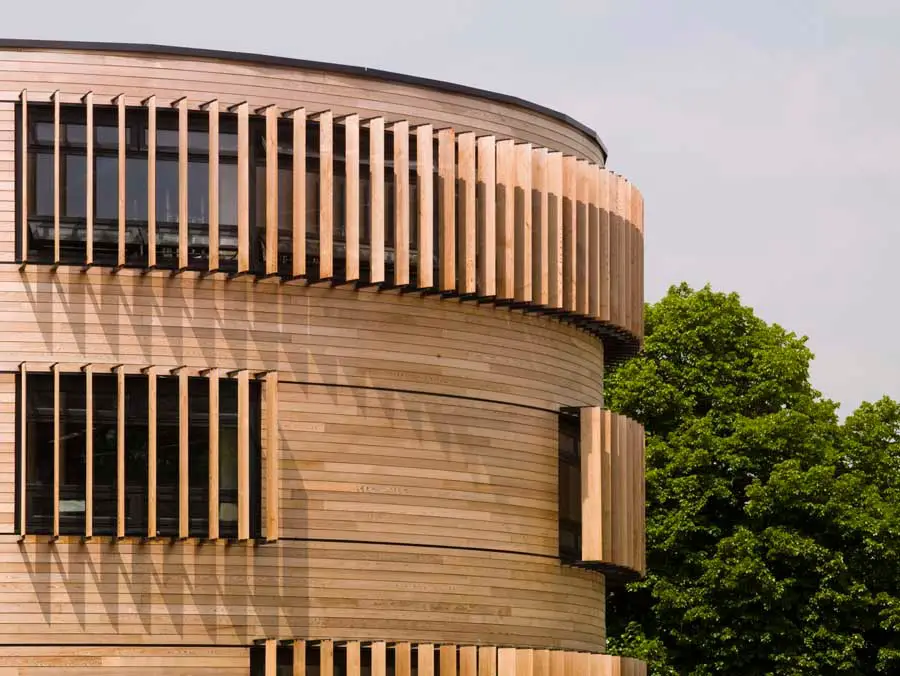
(766, 538)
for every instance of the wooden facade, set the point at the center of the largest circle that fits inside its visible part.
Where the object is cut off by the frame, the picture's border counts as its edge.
(399, 289)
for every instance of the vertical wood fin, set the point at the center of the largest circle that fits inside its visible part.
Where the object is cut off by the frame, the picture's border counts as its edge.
(150, 103)
(326, 195)
(376, 200)
(425, 205)
(271, 116)
(401, 203)
(466, 214)
(486, 204)
(298, 241)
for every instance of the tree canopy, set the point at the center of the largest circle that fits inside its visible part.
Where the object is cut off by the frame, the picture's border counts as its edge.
(773, 530)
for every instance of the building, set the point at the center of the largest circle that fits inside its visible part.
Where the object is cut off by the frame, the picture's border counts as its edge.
(302, 372)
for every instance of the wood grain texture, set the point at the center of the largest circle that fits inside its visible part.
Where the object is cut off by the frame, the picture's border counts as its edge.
(425, 205)
(447, 187)
(298, 216)
(486, 215)
(401, 202)
(212, 109)
(104, 660)
(539, 228)
(42, 71)
(326, 189)
(150, 104)
(506, 247)
(376, 199)
(271, 116)
(522, 218)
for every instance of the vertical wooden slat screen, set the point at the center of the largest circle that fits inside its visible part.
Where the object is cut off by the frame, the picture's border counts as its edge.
(88, 101)
(299, 658)
(298, 225)
(183, 456)
(570, 256)
(353, 658)
(524, 662)
(487, 661)
(425, 205)
(150, 102)
(402, 659)
(642, 503)
(56, 458)
(56, 187)
(523, 224)
(376, 200)
(603, 227)
(487, 216)
(448, 660)
(425, 656)
(89, 451)
(243, 186)
(539, 228)
(23, 188)
(593, 239)
(181, 106)
(212, 111)
(326, 658)
(468, 660)
(570, 663)
(272, 455)
(351, 197)
(271, 657)
(120, 104)
(326, 194)
(243, 448)
(213, 375)
(120, 452)
(379, 658)
(591, 484)
(581, 664)
(271, 115)
(151, 451)
(542, 662)
(506, 662)
(506, 172)
(447, 209)
(617, 486)
(466, 188)
(401, 203)
(555, 229)
(596, 667)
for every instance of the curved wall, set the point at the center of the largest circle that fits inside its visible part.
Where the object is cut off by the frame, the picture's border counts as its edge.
(417, 434)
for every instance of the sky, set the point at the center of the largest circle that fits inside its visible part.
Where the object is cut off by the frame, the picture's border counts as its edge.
(765, 136)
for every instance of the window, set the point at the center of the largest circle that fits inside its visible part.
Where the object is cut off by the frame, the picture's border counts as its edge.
(569, 485)
(44, 400)
(73, 173)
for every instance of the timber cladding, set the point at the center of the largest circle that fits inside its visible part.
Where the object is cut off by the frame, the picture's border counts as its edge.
(285, 353)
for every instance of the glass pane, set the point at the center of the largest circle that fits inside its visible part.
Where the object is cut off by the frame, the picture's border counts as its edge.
(136, 457)
(72, 445)
(74, 183)
(39, 465)
(198, 462)
(105, 460)
(167, 455)
(107, 136)
(167, 140)
(41, 188)
(75, 134)
(106, 192)
(228, 466)
(167, 191)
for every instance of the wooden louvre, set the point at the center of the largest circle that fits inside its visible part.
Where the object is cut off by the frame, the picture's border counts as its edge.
(612, 489)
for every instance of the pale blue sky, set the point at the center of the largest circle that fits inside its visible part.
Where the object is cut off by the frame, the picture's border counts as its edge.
(765, 136)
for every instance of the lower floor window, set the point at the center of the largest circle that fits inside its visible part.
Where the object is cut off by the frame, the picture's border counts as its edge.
(61, 450)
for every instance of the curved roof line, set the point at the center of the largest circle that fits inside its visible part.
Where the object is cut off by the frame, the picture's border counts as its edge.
(263, 59)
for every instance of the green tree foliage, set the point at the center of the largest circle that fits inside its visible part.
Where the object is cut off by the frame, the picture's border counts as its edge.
(773, 531)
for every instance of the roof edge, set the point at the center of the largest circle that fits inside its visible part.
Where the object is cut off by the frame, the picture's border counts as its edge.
(288, 62)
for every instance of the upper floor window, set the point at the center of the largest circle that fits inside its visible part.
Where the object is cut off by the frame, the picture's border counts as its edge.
(105, 200)
(74, 460)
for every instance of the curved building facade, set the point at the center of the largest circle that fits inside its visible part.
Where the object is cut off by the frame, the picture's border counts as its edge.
(303, 372)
